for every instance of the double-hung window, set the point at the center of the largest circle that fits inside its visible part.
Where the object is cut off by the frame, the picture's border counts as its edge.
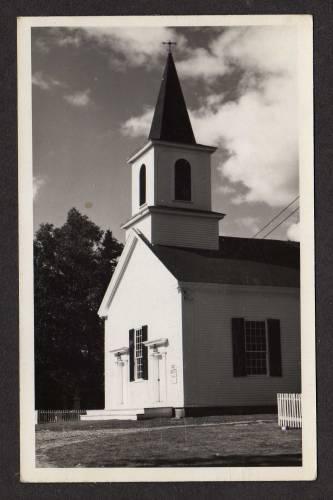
(138, 354)
(255, 348)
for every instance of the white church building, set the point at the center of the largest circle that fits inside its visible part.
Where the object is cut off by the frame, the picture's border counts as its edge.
(195, 323)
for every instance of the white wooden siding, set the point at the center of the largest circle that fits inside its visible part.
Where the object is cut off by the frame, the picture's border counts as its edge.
(208, 360)
(143, 225)
(185, 231)
(147, 159)
(165, 159)
(146, 295)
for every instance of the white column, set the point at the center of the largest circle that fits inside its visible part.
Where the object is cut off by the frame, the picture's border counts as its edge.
(120, 377)
(165, 376)
(125, 380)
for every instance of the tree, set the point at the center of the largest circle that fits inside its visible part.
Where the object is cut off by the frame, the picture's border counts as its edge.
(73, 265)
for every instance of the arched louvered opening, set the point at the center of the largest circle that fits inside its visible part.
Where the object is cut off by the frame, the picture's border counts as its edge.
(142, 185)
(182, 180)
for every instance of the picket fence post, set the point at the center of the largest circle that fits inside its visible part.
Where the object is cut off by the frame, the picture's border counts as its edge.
(289, 411)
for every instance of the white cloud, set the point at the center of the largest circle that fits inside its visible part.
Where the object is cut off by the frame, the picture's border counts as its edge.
(293, 232)
(135, 46)
(42, 46)
(71, 39)
(37, 183)
(260, 133)
(226, 189)
(138, 125)
(79, 99)
(263, 49)
(45, 82)
(259, 129)
(203, 64)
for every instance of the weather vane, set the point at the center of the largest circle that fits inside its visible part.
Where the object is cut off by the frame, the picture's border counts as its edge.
(169, 44)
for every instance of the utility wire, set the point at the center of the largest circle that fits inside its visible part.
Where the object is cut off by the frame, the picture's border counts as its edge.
(279, 224)
(275, 217)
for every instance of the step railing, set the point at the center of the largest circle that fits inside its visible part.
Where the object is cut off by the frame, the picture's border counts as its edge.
(289, 411)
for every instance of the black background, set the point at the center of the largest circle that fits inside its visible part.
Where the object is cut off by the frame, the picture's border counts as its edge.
(10, 486)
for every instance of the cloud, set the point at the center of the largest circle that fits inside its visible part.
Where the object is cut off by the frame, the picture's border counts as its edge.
(134, 46)
(37, 183)
(79, 99)
(269, 49)
(71, 39)
(138, 125)
(204, 65)
(45, 82)
(228, 190)
(293, 232)
(258, 128)
(41, 45)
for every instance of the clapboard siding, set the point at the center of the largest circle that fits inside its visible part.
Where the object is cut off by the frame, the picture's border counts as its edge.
(208, 360)
(184, 231)
(147, 295)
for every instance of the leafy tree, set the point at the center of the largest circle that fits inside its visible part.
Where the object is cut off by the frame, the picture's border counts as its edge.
(73, 265)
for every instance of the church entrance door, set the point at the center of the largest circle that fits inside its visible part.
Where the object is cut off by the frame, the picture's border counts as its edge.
(157, 377)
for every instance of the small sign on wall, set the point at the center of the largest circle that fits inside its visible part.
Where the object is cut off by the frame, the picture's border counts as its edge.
(173, 374)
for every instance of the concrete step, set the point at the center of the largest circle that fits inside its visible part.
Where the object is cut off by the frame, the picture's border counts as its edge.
(94, 418)
(117, 414)
(117, 411)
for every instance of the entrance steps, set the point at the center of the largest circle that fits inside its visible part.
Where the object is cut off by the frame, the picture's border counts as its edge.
(119, 414)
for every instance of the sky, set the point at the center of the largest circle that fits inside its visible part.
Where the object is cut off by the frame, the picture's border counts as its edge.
(93, 96)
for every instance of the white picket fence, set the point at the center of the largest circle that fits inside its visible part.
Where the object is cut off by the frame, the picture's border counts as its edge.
(56, 416)
(289, 410)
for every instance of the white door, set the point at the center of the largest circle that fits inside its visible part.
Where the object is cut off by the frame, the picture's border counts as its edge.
(157, 377)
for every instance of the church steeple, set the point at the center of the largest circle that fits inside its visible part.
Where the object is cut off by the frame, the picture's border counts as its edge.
(171, 177)
(171, 121)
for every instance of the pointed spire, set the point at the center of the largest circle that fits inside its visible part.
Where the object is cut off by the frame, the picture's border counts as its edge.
(171, 121)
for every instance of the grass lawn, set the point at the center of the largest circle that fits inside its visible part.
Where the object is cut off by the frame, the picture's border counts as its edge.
(202, 441)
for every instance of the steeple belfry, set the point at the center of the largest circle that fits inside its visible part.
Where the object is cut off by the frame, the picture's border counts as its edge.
(171, 121)
(171, 176)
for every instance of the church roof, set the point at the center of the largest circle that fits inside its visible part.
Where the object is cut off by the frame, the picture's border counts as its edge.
(238, 261)
(171, 121)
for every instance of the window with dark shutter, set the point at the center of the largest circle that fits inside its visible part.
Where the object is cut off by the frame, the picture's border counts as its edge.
(238, 347)
(274, 345)
(255, 348)
(131, 354)
(144, 353)
(138, 353)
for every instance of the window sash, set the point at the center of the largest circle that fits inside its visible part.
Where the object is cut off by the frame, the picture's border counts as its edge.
(138, 354)
(256, 348)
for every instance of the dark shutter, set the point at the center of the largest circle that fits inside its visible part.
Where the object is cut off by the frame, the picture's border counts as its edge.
(145, 353)
(274, 346)
(238, 347)
(131, 355)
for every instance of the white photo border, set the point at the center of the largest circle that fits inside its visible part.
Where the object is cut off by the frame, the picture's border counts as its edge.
(28, 470)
